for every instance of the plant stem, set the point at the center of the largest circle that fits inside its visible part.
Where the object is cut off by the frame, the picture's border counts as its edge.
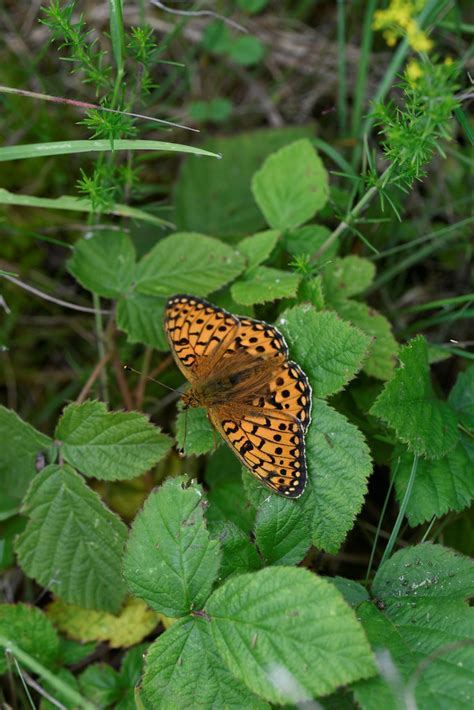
(59, 685)
(341, 66)
(379, 526)
(401, 512)
(366, 46)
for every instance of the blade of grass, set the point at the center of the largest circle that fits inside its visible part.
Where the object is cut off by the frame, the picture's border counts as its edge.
(41, 150)
(401, 513)
(335, 156)
(362, 69)
(465, 125)
(379, 525)
(341, 66)
(439, 303)
(76, 204)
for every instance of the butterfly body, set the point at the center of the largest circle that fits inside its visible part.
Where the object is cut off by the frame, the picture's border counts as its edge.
(256, 398)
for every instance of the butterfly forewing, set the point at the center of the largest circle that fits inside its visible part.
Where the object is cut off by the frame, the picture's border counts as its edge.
(266, 403)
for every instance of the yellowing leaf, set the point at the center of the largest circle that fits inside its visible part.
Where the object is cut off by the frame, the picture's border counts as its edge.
(134, 622)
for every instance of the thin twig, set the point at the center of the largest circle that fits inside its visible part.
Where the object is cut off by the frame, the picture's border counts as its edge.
(47, 297)
(199, 13)
(92, 378)
(122, 383)
(39, 689)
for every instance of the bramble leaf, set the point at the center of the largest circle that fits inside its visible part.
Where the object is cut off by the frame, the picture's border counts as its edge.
(141, 318)
(329, 350)
(282, 532)
(170, 560)
(439, 486)
(308, 239)
(347, 277)
(339, 465)
(287, 634)
(21, 444)
(200, 435)
(104, 263)
(238, 553)
(188, 262)
(263, 284)
(422, 590)
(291, 186)
(183, 664)
(258, 247)
(31, 630)
(109, 445)
(409, 405)
(72, 543)
(130, 626)
(461, 397)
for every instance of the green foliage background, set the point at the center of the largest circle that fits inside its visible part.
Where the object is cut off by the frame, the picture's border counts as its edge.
(332, 202)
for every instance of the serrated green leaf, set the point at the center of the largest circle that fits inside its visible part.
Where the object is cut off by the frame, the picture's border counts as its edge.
(346, 277)
(258, 247)
(282, 532)
(307, 240)
(329, 350)
(353, 592)
(238, 553)
(291, 186)
(194, 432)
(227, 499)
(287, 634)
(99, 683)
(131, 625)
(188, 263)
(104, 263)
(216, 198)
(72, 543)
(461, 397)
(109, 445)
(339, 465)
(426, 627)
(21, 444)
(141, 318)
(170, 561)
(31, 630)
(408, 404)
(439, 486)
(72, 652)
(263, 284)
(184, 671)
(383, 349)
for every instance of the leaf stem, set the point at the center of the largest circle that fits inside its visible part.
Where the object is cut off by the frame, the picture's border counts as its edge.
(59, 685)
(401, 512)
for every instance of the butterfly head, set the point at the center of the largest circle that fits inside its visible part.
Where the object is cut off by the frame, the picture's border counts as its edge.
(191, 398)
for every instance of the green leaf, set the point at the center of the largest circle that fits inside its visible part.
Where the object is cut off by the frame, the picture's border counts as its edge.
(461, 397)
(72, 543)
(307, 240)
(238, 553)
(247, 51)
(408, 404)
(31, 630)
(440, 486)
(227, 499)
(383, 349)
(188, 263)
(72, 652)
(171, 562)
(215, 197)
(263, 284)
(287, 634)
(353, 592)
(258, 247)
(21, 444)
(339, 465)
(216, 110)
(252, 6)
(329, 350)
(183, 670)
(141, 318)
(104, 263)
(346, 277)
(282, 532)
(109, 445)
(291, 186)
(99, 683)
(200, 435)
(426, 627)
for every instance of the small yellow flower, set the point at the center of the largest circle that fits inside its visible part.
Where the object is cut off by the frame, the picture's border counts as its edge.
(413, 71)
(397, 21)
(448, 61)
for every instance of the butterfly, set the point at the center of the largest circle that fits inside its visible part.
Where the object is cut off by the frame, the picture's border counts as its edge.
(257, 399)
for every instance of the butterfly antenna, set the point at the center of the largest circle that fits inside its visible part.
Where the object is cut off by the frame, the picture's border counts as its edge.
(127, 368)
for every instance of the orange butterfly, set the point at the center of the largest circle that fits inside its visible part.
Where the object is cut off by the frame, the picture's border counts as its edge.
(257, 399)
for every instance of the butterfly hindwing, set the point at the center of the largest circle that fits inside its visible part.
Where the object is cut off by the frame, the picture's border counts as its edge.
(289, 392)
(270, 445)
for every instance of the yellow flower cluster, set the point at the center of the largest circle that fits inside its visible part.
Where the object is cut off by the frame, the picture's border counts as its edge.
(398, 21)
